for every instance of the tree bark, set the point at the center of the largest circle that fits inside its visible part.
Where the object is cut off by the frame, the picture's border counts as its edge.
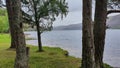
(99, 31)
(87, 36)
(13, 8)
(11, 23)
(39, 37)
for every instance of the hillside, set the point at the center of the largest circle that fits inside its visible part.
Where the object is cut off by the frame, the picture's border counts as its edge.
(69, 27)
(114, 22)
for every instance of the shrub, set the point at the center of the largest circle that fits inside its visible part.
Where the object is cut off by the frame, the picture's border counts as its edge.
(3, 21)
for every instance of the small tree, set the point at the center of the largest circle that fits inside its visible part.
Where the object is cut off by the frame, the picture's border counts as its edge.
(114, 6)
(1, 3)
(40, 11)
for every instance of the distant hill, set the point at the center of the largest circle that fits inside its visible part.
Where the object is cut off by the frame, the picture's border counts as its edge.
(69, 27)
(114, 22)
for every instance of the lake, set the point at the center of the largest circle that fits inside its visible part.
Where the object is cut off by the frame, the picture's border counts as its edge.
(71, 40)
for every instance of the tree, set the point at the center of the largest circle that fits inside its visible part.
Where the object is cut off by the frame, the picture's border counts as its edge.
(11, 27)
(99, 31)
(11, 23)
(14, 13)
(114, 6)
(41, 10)
(1, 3)
(87, 38)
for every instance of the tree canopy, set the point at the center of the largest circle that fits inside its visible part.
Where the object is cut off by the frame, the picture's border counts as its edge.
(43, 11)
(113, 6)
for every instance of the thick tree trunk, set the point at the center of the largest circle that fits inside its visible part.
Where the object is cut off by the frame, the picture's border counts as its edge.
(99, 31)
(13, 7)
(39, 37)
(11, 23)
(87, 38)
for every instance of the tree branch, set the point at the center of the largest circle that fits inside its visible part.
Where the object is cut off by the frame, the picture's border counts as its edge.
(112, 11)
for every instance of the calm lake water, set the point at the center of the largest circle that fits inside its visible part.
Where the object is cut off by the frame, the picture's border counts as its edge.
(71, 40)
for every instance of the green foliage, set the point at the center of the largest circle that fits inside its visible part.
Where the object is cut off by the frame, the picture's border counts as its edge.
(44, 12)
(2, 12)
(107, 66)
(3, 21)
(114, 4)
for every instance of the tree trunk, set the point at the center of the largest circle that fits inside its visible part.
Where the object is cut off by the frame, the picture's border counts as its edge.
(39, 37)
(38, 28)
(11, 23)
(13, 8)
(87, 38)
(99, 31)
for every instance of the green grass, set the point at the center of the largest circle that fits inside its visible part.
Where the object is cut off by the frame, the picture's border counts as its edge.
(4, 38)
(52, 57)
(107, 66)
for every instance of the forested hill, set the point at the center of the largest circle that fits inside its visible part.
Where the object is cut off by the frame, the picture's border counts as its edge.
(69, 27)
(112, 22)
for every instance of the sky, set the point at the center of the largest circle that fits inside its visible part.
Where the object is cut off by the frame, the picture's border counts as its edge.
(74, 16)
(75, 13)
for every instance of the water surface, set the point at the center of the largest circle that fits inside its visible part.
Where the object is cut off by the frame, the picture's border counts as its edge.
(71, 40)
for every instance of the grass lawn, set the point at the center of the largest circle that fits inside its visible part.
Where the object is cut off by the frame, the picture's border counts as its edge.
(50, 58)
(4, 38)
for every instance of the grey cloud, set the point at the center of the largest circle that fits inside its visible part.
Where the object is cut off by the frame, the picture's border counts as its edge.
(74, 5)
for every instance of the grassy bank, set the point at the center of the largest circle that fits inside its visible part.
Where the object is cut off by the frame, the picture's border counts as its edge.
(4, 38)
(50, 58)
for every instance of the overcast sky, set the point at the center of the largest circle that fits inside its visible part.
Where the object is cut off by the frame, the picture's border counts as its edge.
(74, 16)
(75, 13)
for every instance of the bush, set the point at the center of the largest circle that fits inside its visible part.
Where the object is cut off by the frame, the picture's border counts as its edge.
(4, 26)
